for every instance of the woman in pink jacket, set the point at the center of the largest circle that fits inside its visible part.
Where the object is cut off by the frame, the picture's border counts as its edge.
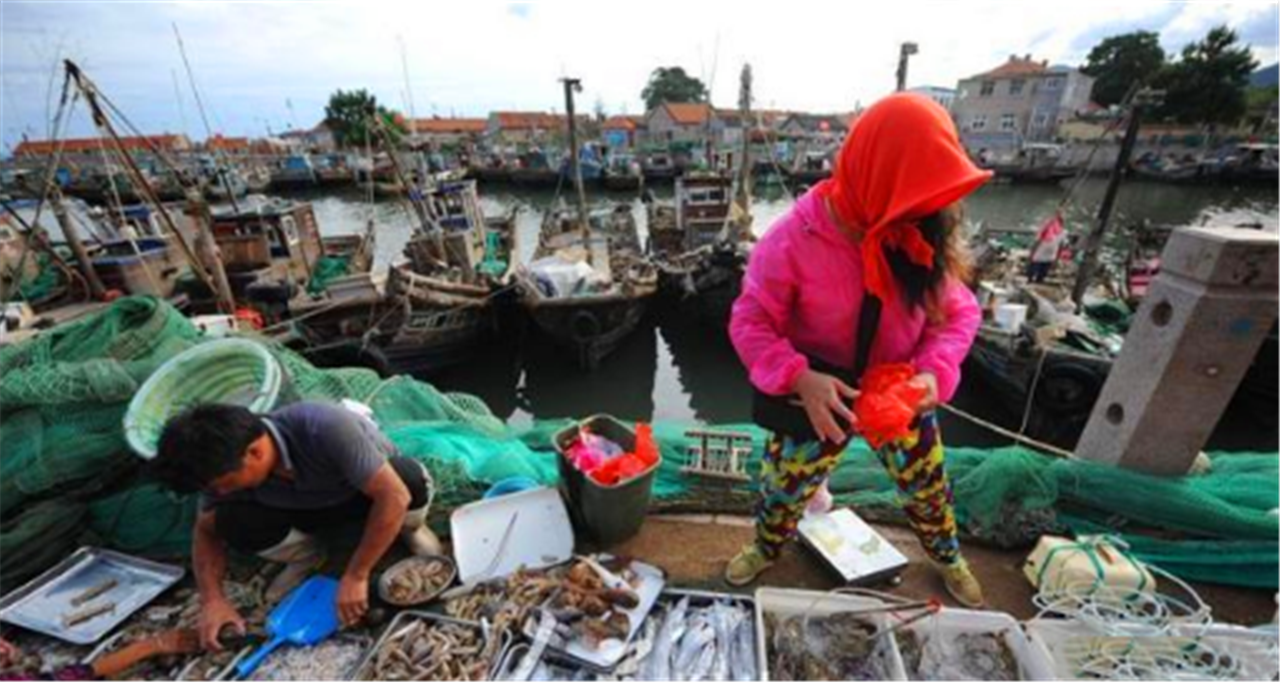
(887, 224)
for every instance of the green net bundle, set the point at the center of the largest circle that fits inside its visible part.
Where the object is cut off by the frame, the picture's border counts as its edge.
(67, 477)
(327, 269)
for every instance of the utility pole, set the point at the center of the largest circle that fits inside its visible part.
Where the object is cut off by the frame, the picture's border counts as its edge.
(1093, 243)
(904, 55)
(572, 85)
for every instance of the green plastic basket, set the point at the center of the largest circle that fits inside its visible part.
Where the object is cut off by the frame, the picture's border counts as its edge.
(227, 371)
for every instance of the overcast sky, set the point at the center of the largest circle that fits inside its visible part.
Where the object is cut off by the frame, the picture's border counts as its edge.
(467, 58)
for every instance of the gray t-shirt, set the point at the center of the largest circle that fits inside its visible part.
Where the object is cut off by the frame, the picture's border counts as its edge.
(331, 451)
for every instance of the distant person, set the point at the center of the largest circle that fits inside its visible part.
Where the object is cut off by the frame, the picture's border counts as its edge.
(1047, 249)
(268, 483)
(886, 230)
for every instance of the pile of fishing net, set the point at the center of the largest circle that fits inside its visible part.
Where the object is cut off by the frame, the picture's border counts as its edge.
(67, 477)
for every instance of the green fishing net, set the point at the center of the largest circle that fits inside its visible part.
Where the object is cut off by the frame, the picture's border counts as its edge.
(67, 477)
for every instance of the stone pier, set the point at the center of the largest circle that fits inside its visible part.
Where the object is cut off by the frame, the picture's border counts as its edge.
(1192, 340)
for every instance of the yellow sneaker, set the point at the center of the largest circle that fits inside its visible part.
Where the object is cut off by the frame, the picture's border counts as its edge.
(747, 566)
(962, 584)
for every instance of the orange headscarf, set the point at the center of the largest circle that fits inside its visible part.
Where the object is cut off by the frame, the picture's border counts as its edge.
(901, 162)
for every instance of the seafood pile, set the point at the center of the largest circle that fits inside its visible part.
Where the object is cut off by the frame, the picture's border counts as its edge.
(428, 649)
(966, 656)
(711, 642)
(839, 646)
(714, 640)
(333, 659)
(594, 611)
(416, 580)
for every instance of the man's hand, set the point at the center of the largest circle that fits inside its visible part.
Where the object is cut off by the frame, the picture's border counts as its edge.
(215, 615)
(929, 383)
(353, 599)
(823, 396)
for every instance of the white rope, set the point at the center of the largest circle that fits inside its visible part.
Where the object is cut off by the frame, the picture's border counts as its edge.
(1030, 442)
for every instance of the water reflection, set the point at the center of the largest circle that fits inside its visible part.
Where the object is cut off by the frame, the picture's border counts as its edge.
(675, 368)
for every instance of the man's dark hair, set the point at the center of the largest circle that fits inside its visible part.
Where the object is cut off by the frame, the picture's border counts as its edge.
(203, 443)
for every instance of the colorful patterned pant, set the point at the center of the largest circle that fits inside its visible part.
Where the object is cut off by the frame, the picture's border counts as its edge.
(793, 472)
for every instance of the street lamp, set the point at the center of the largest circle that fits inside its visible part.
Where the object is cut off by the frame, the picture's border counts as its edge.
(907, 50)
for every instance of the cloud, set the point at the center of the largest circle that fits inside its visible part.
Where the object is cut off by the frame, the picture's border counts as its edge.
(473, 57)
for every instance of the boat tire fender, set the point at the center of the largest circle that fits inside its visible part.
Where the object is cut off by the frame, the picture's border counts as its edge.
(584, 326)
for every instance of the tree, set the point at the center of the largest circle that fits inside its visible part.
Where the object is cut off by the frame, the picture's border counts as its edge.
(672, 84)
(1120, 61)
(1208, 84)
(348, 117)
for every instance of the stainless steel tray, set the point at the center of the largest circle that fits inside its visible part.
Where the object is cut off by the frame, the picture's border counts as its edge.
(41, 604)
(362, 671)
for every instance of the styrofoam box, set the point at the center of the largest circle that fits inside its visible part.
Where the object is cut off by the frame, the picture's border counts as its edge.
(799, 602)
(1254, 651)
(1033, 663)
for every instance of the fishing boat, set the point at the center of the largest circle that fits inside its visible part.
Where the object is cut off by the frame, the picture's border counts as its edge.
(587, 289)
(622, 172)
(293, 171)
(1174, 170)
(535, 169)
(434, 308)
(1252, 163)
(701, 241)
(658, 166)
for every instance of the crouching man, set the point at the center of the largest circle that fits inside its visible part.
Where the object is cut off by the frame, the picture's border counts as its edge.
(268, 483)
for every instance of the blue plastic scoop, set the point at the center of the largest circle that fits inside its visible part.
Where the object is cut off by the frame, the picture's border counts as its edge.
(308, 616)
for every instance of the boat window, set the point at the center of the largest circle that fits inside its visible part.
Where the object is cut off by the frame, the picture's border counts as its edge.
(290, 228)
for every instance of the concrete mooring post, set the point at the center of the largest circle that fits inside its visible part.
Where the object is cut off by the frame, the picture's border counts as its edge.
(1191, 342)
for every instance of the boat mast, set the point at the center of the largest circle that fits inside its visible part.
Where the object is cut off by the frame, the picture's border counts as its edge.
(217, 280)
(1088, 264)
(744, 109)
(572, 85)
(72, 234)
(220, 163)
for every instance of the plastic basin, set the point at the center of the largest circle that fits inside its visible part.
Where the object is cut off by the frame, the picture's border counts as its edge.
(226, 371)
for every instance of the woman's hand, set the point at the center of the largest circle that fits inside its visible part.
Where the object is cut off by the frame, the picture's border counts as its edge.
(824, 398)
(929, 383)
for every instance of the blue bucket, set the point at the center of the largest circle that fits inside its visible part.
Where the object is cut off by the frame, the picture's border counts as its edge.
(507, 486)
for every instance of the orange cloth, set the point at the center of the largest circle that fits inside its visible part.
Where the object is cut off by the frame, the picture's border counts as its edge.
(902, 161)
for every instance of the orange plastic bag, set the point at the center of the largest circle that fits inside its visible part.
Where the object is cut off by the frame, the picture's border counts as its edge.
(887, 404)
(629, 465)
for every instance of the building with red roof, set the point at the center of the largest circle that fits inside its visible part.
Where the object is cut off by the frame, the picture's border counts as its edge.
(1021, 100)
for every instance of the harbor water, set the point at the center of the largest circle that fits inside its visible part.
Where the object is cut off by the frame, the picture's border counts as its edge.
(674, 368)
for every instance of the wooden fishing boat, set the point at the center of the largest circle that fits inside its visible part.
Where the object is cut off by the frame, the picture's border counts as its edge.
(601, 307)
(622, 173)
(433, 309)
(700, 244)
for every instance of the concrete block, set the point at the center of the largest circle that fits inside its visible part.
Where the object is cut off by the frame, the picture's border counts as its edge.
(1197, 331)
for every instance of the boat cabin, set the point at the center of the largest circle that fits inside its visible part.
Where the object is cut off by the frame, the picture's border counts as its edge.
(267, 239)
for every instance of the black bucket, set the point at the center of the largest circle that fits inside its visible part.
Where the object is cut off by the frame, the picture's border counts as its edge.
(605, 515)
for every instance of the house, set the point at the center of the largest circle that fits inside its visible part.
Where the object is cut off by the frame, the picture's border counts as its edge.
(622, 132)
(90, 149)
(1022, 100)
(823, 127)
(525, 126)
(944, 96)
(229, 146)
(673, 122)
(317, 139)
(448, 131)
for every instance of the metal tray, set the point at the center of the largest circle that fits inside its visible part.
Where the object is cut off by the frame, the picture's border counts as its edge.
(41, 603)
(361, 671)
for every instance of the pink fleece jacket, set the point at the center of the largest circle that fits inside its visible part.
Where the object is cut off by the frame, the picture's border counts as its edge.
(802, 293)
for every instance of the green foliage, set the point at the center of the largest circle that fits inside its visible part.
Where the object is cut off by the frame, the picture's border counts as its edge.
(348, 114)
(1208, 84)
(672, 84)
(1120, 61)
